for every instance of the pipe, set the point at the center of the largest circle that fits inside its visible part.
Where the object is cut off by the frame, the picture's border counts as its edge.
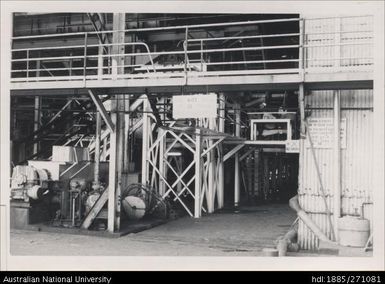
(294, 204)
(97, 150)
(236, 159)
(337, 161)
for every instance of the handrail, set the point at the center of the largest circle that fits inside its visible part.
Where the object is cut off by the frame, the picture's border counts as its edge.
(298, 63)
(241, 37)
(160, 53)
(85, 56)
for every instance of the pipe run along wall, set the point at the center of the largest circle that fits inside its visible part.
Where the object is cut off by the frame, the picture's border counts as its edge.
(356, 160)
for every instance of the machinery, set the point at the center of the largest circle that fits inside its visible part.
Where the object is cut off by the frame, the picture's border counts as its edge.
(29, 183)
(58, 191)
(61, 192)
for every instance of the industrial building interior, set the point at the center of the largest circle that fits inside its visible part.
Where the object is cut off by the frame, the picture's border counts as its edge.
(113, 131)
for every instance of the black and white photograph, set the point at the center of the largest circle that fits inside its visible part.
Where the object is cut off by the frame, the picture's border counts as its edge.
(192, 135)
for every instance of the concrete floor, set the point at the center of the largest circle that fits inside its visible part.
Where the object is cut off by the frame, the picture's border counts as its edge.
(220, 234)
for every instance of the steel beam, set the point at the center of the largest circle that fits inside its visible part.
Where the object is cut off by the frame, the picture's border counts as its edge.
(95, 210)
(102, 110)
(232, 152)
(226, 83)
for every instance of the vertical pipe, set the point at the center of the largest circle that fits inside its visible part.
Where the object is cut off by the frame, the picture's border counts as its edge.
(162, 150)
(85, 56)
(127, 145)
(36, 125)
(211, 165)
(116, 137)
(301, 105)
(112, 169)
(145, 134)
(119, 160)
(117, 38)
(337, 160)
(236, 180)
(198, 173)
(236, 157)
(220, 194)
(97, 149)
(302, 149)
(162, 157)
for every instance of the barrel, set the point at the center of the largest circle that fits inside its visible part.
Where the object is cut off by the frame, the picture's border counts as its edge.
(353, 231)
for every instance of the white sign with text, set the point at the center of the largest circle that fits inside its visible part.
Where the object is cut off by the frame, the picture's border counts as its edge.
(292, 146)
(194, 106)
(322, 131)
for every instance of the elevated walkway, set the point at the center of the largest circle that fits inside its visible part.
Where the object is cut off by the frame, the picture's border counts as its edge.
(198, 82)
(330, 53)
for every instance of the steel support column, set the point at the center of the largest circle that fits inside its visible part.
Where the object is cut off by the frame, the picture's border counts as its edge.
(337, 161)
(112, 169)
(221, 128)
(97, 149)
(117, 136)
(236, 157)
(211, 168)
(198, 174)
(145, 143)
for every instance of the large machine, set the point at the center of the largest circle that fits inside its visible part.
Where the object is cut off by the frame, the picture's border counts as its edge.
(59, 191)
(63, 191)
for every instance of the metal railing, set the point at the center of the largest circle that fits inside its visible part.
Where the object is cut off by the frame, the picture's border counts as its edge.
(321, 44)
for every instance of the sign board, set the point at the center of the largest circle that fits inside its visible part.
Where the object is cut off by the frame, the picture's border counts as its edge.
(194, 106)
(292, 146)
(321, 131)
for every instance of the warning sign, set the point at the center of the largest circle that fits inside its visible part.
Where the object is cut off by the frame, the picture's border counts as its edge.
(194, 106)
(292, 146)
(321, 131)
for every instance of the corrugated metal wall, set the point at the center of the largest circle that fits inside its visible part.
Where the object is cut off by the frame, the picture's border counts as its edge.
(357, 166)
(329, 47)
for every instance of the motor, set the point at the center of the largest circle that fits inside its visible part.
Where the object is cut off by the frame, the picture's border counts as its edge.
(29, 183)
